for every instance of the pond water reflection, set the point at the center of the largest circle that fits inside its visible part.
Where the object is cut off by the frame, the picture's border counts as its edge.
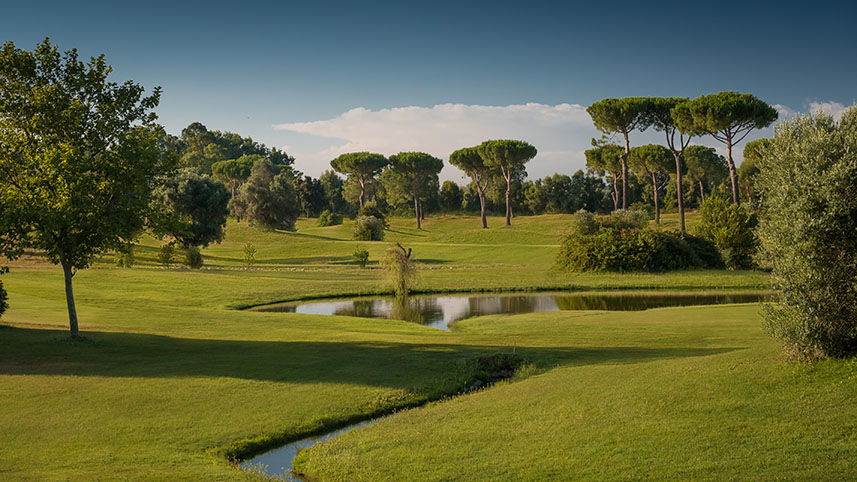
(440, 311)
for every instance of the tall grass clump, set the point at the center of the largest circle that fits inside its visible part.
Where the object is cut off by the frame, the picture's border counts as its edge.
(400, 268)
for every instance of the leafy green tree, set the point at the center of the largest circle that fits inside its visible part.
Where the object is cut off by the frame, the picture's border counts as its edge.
(415, 168)
(728, 117)
(730, 228)
(79, 157)
(193, 209)
(506, 156)
(807, 181)
(654, 162)
(705, 167)
(332, 185)
(204, 148)
(471, 162)
(268, 198)
(753, 152)
(311, 196)
(235, 171)
(606, 159)
(621, 116)
(451, 197)
(360, 166)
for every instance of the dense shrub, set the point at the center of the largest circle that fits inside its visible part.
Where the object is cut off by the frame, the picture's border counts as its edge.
(371, 209)
(368, 228)
(808, 230)
(193, 258)
(626, 219)
(249, 254)
(616, 243)
(165, 255)
(730, 228)
(328, 218)
(4, 305)
(268, 198)
(124, 256)
(362, 256)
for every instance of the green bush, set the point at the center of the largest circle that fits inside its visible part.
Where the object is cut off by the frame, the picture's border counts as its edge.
(730, 228)
(124, 256)
(368, 228)
(328, 218)
(621, 250)
(193, 258)
(4, 305)
(808, 231)
(362, 256)
(249, 254)
(166, 254)
(584, 223)
(626, 219)
(371, 209)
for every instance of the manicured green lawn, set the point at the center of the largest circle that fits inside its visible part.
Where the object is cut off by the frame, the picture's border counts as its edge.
(170, 376)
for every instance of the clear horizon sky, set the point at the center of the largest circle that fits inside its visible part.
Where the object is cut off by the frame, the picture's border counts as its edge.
(321, 78)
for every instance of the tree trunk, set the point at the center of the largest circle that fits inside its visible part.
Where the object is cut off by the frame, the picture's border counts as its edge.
(422, 212)
(678, 190)
(733, 173)
(625, 172)
(69, 297)
(417, 207)
(657, 205)
(362, 191)
(615, 194)
(482, 206)
(701, 192)
(508, 198)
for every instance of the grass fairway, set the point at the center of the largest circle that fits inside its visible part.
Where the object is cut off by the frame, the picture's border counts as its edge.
(170, 376)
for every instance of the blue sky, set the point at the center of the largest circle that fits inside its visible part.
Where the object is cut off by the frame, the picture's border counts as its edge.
(391, 76)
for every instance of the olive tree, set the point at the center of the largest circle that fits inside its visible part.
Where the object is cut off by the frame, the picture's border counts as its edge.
(654, 162)
(507, 156)
(360, 166)
(79, 157)
(728, 117)
(807, 182)
(620, 116)
(469, 161)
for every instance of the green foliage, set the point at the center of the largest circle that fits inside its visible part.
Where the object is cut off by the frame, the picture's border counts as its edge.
(4, 303)
(372, 209)
(362, 256)
(401, 270)
(729, 227)
(619, 243)
(361, 166)
(192, 208)
(202, 149)
(249, 254)
(706, 166)
(333, 185)
(328, 218)
(506, 155)
(807, 180)
(192, 257)
(124, 255)
(749, 168)
(268, 198)
(166, 254)
(368, 228)
(311, 196)
(619, 115)
(451, 197)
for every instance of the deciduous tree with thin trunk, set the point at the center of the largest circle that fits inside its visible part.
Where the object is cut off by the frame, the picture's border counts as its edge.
(606, 159)
(469, 161)
(652, 161)
(79, 157)
(620, 116)
(661, 115)
(728, 117)
(416, 168)
(505, 156)
(362, 166)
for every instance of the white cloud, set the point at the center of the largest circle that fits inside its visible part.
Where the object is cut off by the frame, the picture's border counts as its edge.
(560, 133)
(834, 109)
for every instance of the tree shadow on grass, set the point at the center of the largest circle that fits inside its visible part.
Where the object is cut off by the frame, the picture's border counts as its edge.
(25, 351)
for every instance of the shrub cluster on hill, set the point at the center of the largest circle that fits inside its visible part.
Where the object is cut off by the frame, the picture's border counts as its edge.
(328, 218)
(620, 242)
(368, 228)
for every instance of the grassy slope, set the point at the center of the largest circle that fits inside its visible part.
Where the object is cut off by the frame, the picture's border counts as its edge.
(169, 372)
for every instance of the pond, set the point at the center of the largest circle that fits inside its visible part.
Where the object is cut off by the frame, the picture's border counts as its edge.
(441, 311)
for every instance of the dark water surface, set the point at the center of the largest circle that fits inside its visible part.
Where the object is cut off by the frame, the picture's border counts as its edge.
(440, 311)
